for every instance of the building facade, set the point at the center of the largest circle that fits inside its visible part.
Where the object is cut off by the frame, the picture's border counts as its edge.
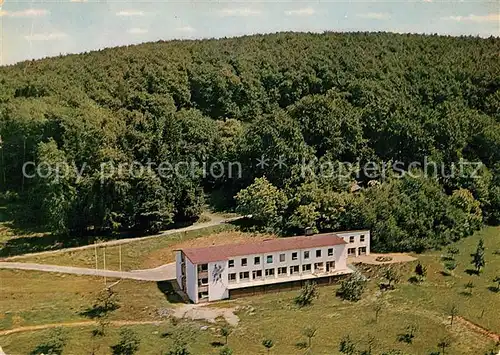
(212, 273)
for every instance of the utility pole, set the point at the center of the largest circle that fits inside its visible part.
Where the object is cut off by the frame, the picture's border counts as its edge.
(104, 263)
(95, 252)
(120, 255)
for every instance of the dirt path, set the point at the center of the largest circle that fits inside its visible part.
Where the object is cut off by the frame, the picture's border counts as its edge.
(162, 273)
(216, 220)
(71, 325)
(187, 311)
(478, 329)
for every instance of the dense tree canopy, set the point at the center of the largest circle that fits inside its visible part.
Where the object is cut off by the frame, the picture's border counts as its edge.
(144, 132)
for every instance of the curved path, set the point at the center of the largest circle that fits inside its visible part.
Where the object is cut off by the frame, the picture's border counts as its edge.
(162, 273)
(215, 221)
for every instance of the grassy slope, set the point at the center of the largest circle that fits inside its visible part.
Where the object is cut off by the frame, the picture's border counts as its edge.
(135, 255)
(47, 299)
(32, 298)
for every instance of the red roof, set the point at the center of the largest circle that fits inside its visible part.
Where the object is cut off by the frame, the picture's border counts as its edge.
(227, 251)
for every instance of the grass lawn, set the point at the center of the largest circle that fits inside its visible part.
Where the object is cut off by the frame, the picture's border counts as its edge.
(148, 253)
(40, 298)
(134, 254)
(34, 298)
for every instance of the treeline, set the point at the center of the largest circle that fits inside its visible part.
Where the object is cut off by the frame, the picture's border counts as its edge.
(289, 98)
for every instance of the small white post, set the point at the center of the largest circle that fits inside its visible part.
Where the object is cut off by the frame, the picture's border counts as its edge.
(104, 262)
(95, 252)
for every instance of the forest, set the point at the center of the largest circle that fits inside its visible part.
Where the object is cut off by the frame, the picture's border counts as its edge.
(349, 98)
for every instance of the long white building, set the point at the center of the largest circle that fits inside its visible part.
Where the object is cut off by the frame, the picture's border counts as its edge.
(219, 272)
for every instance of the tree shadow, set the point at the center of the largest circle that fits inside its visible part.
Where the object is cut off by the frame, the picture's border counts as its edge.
(216, 344)
(405, 338)
(471, 272)
(301, 345)
(98, 311)
(493, 289)
(39, 243)
(465, 293)
(414, 280)
(444, 273)
(170, 292)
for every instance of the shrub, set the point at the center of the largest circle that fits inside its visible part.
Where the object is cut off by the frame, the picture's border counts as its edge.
(308, 292)
(352, 289)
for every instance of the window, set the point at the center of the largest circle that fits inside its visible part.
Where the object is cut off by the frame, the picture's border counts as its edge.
(362, 238)
(282, 258)
(269, 259)
(306, 255)
(269, 272)
(204, 281)
(256, 274)
(202, 295)
(306, 268)
(294, 256)
(351, 251)
(351, 239)
(256, 260)
(330, 266)
(231, 263)
(330, 252)
(244, 262)
(294, 269)
(232, 277)
(318, 267)
(362, 251)
(282, 271)
(318, 253)
(203, 267)
(245, 275)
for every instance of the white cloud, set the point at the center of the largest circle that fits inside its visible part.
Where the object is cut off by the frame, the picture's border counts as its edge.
(46, 36)
(187, 29)
(427, 0)
(137, 31)
(474, 18)
(307, 11)
(375, 16)
(239, 12)
(25, 13)
(130, 13)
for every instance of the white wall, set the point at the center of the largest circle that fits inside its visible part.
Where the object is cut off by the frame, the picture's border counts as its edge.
(357, 243)
(339, 256)
(191, 281)
(178, 268)
(217, 281)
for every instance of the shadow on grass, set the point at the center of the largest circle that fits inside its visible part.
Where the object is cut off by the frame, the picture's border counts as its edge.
(170, 292)
(471, 272)
(99, 311)
(301, 345)
(216, 344)
(48, 241)
(494, 289)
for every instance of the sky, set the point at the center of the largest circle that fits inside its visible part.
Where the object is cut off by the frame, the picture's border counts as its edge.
(32, 29)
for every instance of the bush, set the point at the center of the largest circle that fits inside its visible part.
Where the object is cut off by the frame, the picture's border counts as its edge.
(128, 345)
(352, 288)
(308, 292)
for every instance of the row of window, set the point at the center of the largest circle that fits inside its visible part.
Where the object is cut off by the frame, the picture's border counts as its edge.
(282, 258)
(281, 271)
(352, 251)
(361, 239)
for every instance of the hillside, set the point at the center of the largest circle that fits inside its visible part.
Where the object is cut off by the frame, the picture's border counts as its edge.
(290, 97)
